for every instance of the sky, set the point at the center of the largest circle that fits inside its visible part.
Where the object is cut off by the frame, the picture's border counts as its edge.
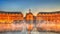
(35, 5)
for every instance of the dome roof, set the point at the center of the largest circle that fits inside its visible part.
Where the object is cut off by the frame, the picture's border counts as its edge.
(29, 12)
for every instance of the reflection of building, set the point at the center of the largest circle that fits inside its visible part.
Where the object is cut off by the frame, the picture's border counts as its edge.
(10, 16)
(48, 16)
(17, 19)
(29, 17)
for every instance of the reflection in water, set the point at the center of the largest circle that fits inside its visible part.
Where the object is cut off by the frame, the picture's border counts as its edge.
(23, 27)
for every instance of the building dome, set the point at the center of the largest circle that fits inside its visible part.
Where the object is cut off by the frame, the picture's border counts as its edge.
(29, 16)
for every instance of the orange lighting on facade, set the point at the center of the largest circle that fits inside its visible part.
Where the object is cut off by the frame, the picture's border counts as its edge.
(9, 17)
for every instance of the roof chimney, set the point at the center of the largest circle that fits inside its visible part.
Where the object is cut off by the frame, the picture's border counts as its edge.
(29, 10)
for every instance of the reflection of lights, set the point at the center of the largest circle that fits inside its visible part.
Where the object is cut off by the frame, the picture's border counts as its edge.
(30, 27)
(21, 26)
(49, 26)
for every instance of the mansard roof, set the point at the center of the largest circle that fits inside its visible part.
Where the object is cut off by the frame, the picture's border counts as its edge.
(49, 12)
(11, 12)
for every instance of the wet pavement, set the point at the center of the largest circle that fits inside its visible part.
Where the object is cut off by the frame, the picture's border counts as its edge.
(27, 33)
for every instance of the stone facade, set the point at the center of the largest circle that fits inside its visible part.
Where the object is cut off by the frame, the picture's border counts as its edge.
(10, 16)
(30, 18)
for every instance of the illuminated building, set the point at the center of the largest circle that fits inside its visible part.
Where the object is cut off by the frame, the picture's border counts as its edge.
(11, 17)
(48, 16)
(8, 17)
(29, 17)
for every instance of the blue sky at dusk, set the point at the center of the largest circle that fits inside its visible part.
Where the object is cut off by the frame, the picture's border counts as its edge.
(34, 5)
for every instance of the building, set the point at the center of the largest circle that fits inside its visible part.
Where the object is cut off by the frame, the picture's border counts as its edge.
(8, 17)
(48, 16)
(29, 17)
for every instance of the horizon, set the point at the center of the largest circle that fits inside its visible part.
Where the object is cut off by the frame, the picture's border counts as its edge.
(31, 12)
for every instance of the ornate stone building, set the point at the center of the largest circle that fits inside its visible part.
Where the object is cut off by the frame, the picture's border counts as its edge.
(10, 16)
(29, 17)
(48, 16)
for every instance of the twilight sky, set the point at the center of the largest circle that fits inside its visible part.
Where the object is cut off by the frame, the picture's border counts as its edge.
(35, 5)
